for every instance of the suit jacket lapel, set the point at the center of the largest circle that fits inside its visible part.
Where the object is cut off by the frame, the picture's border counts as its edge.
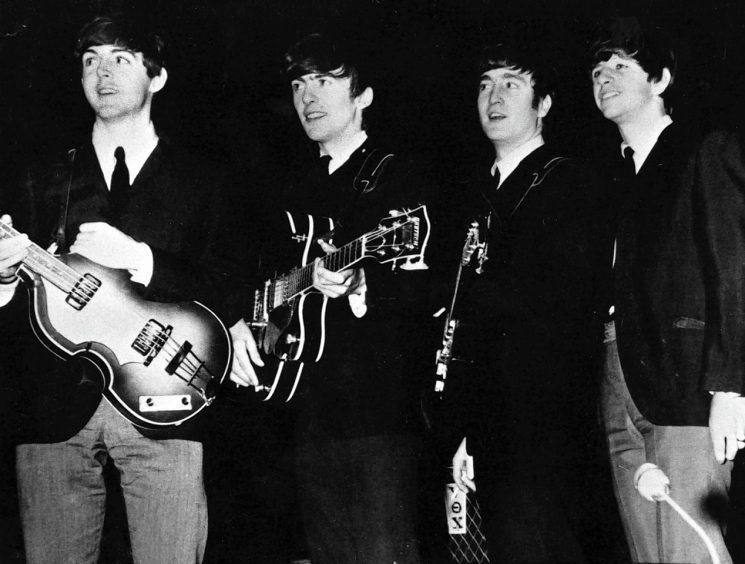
(505, 201)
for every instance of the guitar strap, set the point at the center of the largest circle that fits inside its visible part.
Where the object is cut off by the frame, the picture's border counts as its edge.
(539, 177)
(365, 181)
(367, 178)
(58, 236)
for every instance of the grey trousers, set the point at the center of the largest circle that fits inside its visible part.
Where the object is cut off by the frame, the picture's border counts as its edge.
(700, 485)
(62, 494)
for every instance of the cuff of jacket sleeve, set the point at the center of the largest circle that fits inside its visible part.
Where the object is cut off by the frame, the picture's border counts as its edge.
(143, 272)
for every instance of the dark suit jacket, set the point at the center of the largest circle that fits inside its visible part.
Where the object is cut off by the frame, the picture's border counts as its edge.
(664, 292)
(720, 195)
(679, 277)
(173, 207)
(367, 381)
(530, 321)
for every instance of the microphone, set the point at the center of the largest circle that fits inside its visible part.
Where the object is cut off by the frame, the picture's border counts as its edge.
(653, 484)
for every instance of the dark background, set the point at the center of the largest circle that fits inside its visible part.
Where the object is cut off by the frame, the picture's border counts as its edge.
(224, 99)
(224, 96)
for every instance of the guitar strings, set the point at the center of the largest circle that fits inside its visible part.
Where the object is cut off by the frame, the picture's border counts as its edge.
(300, 279)
(68, 279)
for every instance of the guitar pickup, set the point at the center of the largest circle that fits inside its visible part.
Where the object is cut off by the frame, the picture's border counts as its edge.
(83, 291)
(176, 402)
(151, 339)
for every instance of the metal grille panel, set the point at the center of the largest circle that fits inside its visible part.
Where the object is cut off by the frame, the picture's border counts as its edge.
(467, 544)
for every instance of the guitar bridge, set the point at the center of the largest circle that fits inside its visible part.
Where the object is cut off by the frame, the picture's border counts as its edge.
(151, 339)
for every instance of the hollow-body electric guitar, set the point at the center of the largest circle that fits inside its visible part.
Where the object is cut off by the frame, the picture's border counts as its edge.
(162, 363)
(289, 317)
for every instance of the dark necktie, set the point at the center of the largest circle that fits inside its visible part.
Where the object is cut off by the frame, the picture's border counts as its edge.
(119, 179)
(629, 168)
(497, 178)
(323, 164)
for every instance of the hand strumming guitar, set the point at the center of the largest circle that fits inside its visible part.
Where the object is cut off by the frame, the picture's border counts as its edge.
(107, 246)
(245, 355)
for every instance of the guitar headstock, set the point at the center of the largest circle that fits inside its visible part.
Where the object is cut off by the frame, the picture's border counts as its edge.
(402, 236)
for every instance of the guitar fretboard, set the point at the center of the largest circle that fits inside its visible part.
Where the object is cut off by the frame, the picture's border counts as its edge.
(300, 279)
(45, 264)
(397, 237)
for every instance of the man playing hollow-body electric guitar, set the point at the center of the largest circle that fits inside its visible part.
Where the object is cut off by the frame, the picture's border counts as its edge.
(357, 410)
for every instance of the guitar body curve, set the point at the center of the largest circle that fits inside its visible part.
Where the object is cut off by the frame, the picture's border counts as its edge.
(289, 316)
(295, 331)
(161, 363)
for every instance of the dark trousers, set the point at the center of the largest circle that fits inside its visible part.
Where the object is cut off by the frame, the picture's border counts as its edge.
(358, 499)
(529, 521)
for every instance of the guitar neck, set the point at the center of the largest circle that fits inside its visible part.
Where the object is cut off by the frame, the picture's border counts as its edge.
(300, 279)
(282, 289)
(397, 237)
(43, 263)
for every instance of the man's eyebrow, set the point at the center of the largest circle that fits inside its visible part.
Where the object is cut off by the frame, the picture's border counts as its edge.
(92, 50)
(124, 50)
(516, 75)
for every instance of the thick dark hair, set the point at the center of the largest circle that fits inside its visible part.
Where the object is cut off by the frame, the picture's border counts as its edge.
(317, 53)
(123, 31)
(627, 37)
(523, 58)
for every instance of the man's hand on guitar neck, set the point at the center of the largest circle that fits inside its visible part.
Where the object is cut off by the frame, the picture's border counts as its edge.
(12, 252)
(349, 282)
(245, 355)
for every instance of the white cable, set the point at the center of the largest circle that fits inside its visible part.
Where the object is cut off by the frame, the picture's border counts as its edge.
(696, 527)
(653, 484)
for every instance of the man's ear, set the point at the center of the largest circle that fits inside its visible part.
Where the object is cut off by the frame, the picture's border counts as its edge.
(365, 99)
(158, 81)
(665, 81)
(544, 106)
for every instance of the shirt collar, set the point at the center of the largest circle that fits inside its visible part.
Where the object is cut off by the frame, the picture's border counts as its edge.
(137, 149)
(642, 149)
(342, 154)
(510, 162)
